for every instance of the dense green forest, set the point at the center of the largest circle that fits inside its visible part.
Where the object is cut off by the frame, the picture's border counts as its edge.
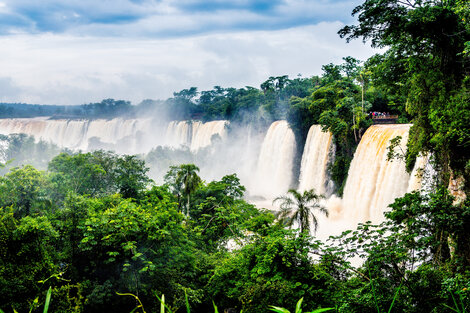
(89, 228)
(92, 226)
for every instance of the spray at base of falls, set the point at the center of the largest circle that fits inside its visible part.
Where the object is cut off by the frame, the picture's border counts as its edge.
(3, 148)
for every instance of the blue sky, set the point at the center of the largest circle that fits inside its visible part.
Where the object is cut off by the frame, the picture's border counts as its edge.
(77, 51)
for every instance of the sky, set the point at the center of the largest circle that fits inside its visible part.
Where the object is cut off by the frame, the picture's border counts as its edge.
(81, 51)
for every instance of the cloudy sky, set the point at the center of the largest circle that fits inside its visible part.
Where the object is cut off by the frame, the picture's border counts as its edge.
(81, 51)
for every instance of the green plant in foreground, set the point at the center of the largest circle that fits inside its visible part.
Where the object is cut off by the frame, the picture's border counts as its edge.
(163, 305)
(48, 300)
(298, 308)
(375, 296)
(459, 305)
(46, 304)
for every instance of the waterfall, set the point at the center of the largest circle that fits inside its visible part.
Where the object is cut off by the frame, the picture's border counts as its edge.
(265, 165)
(3, 150)
(122, 135)
(202, 133)
(56, 131)
(416, 177)
(313, 169)
(76, 134)
(424, 176)
(373, 182)
(178, 134)
(273, 175)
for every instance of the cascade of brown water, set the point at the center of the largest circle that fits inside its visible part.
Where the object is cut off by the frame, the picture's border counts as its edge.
(373, 182)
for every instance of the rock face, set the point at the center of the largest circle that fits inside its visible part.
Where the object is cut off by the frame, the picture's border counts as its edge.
(456, 189)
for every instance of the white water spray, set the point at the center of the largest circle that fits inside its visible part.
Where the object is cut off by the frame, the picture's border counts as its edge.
(313, 169)
(273, 175)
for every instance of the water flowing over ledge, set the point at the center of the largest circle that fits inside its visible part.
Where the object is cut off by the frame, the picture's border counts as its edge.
(265, 165)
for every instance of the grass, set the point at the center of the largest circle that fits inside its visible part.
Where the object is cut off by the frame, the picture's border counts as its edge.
(298, 308)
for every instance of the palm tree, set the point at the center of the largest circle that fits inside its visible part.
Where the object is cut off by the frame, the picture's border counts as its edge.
(298, 207)
(183, 179)
(189, 181)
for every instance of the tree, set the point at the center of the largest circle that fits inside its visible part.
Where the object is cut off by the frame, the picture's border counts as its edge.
(24, 189)
(80, 173)
(351, 67)
(298, 208)
(331, 72)
(27, 256)
(275, 268)
(98, 173)
(184, 181)
(140, 248)
(182, 105)
(424, 66)
(131, 175)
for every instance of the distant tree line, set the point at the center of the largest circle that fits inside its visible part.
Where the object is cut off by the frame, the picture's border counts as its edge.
(108, 108)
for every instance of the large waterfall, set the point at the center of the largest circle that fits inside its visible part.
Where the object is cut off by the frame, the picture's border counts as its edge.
(373, 182)
(263, 162)
(313, 169)
(204, 132)
(273, 175)
(178, 134)
(122, 135)
(193, 134)
(77, 134)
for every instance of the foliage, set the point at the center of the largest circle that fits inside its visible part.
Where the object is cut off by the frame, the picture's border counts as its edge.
(183, 180)
(98, 173)
(409, 255)
(425, 68)
(270, 270)
(24, 190)
(21, 149)
(298, 208)
(27, 257)
(298, 308)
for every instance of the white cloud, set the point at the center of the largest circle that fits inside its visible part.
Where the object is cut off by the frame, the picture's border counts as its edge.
(166, 18)
(66, 69)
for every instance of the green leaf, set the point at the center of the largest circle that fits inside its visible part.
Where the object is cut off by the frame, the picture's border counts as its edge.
(186, 302)
(321, 310)
(48, 300)
(298, 307)
(278, 309)
(162, 304)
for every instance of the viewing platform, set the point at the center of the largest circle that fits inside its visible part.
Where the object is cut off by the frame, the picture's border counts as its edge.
(385, 119)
